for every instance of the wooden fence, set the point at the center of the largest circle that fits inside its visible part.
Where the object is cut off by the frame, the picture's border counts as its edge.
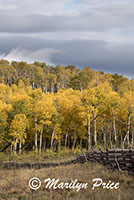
(114, 159)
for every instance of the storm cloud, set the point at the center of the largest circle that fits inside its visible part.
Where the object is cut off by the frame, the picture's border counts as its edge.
(96, 33)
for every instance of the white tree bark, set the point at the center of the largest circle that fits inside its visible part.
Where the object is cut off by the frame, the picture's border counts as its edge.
(128, 128)
(15, 147)
(36, 143)
(132, 136)
(95, 133)
(52, 137)
(41, 134)
(74, 142)
(89, 134)
(20, 148)
(104, 136)
(66, 139)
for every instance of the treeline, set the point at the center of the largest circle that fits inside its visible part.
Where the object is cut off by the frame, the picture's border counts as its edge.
(51, 79)
(53, 107)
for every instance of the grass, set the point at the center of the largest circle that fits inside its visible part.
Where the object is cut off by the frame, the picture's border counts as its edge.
(14, 183)
(47, 156)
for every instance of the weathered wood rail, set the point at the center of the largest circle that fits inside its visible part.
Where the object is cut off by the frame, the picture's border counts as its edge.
(114, 159)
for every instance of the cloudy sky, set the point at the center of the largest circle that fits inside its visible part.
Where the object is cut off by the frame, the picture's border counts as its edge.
(96, 33)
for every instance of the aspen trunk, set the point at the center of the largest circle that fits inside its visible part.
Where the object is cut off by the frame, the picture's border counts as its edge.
(128, 128)
(114, 129)
(36, 144)
(89, 135)
(132, 136)
(41, 134)
(104, 136)
(121, 140)
(59, 145)
(74, 143)
(95, 133)
(52, 138)
(44, 145)
(69, 141)
(104, 139)
(15, 147)
(81, 143)
(66, 139)
(110, 138)
(20, 148)
(52, 89)
(45, 89)
(33, 86)
(58, 85)
(11, 149)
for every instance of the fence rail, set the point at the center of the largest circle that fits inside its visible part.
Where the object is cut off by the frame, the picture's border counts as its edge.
(114, 159)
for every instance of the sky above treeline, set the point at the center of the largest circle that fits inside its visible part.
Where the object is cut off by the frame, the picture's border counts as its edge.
(96, 33)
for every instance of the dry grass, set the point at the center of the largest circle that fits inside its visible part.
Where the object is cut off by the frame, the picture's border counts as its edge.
(47, 156)
(18, 189)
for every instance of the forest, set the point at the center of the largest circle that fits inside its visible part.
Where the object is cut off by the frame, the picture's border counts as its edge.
(45, 107)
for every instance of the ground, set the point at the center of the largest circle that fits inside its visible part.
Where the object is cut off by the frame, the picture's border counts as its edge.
(14, 184)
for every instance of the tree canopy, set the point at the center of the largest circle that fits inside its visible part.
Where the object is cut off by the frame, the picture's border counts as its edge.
(64, 106)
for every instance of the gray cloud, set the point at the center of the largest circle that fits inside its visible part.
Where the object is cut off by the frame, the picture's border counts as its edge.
(100, 55)
(42, 23)
(87, 18)
(98, 33)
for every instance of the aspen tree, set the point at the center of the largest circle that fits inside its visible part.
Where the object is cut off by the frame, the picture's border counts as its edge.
(17, 130)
